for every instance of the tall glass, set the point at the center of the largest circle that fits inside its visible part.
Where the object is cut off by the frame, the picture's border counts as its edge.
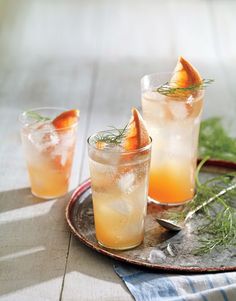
(119, 183)
(173, 123)
(49, 152)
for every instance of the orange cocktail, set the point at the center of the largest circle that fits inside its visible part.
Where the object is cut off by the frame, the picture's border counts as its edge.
(172, 116)
(119, 168)
(49, 139)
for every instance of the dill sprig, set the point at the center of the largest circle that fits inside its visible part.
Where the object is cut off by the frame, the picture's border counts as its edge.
(169, 90)
(214, 141)
(219, 229)
(37, 116)
(219, 212)
(113, 136)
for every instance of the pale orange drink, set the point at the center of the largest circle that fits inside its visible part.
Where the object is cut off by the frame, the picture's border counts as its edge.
(49, 139)
(172, 107)
(119, 166)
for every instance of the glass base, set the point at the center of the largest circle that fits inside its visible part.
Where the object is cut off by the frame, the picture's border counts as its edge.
(45, 197)
(151, 200)
(119, 249)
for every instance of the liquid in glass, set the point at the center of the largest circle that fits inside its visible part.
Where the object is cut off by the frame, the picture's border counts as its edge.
(119, 183)
(173, 123)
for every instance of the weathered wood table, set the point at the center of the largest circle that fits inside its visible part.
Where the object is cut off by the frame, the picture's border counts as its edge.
(89, 55)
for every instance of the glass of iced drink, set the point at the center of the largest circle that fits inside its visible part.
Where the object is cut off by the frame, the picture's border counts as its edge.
(119, 180)
(172, 111)
(49, 139)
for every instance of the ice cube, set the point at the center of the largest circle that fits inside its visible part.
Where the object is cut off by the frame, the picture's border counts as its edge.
(109, 155)
(190, 100)
(67, 140)
(154, 107)
(111, 158)
(120, 206)
(126, 182)
(62, 152)
(178, 109)
(102, 175)
(102, 170)
(43, 136)
(156, 255)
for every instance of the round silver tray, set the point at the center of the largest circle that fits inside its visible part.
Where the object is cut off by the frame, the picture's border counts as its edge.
(161, 249)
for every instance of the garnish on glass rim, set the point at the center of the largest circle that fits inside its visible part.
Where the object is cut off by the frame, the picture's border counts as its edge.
(170, 90)
(133, 136)
(37, 116)
(114, 136)
(64, 120)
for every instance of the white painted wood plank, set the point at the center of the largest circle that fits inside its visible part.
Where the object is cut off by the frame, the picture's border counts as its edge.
(33, 233)
(223, 20)
(192, 30)
(195, 40)
(48, 29)
(135, 30)
(34, 242)
(90, 276)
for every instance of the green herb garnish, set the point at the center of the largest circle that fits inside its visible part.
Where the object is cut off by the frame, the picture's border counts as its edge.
(215, 142)
(219, 229)
(169, 90)
(36, 116)
(114, 136)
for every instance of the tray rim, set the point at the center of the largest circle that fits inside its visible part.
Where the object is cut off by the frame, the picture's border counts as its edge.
(218, 163)
(82, 188)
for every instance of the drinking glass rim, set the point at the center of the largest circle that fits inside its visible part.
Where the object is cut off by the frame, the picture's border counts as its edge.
(23, 113)
(173, 98)
(157, 73)
(123, 152)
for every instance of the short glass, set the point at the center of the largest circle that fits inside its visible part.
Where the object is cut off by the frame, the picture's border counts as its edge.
(173, 123)
(119, 182)
(49, 152)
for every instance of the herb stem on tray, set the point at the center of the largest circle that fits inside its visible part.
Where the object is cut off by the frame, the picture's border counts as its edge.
(220, 227)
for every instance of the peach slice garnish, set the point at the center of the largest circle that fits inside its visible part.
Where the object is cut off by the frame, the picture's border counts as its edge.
(137, 135)
(185, 75)
(66, 119)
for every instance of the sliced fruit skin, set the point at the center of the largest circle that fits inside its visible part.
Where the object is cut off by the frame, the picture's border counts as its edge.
(64, 122)
(137, 134)
(66, 119)
(185, 75)
(100, 144)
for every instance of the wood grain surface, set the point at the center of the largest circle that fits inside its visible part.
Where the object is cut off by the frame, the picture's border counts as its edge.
(89, 55)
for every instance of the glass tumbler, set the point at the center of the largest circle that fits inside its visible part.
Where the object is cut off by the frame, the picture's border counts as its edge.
(119, 181)
(49, 152)
(173, 123)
